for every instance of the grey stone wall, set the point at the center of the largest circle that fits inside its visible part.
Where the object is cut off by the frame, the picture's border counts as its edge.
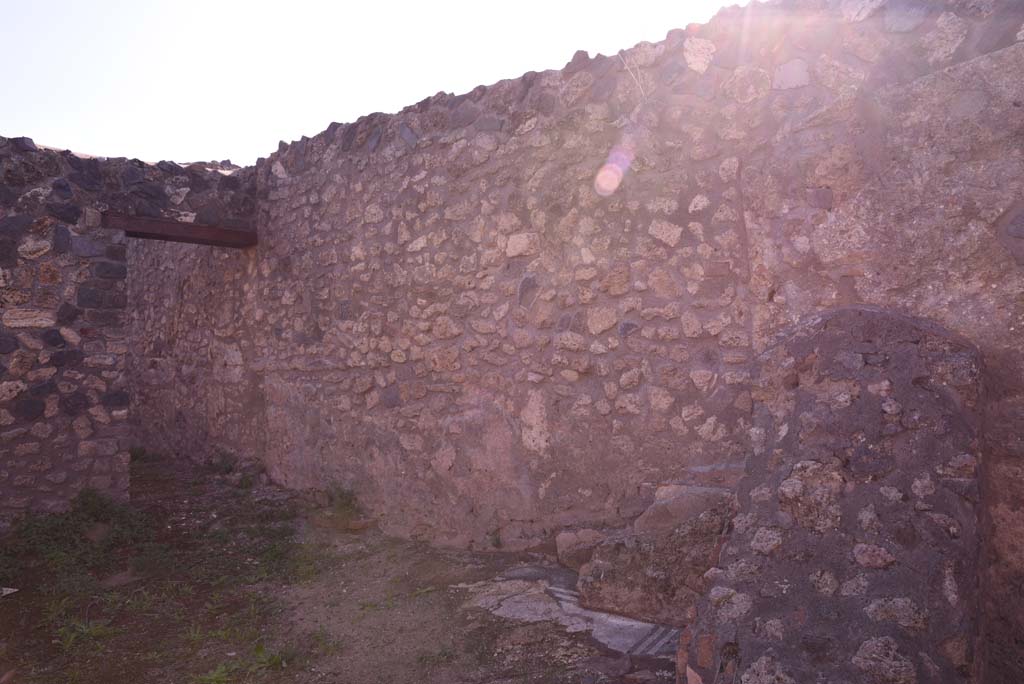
(65, 395)
(854, 555)
(537, 306)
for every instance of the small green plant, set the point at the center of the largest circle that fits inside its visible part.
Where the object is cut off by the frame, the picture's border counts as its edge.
(76, 632)
(141, 601)
(219, 634)
(73, 543)
(264, 660)
(56, 610)
(194, 634)
(222, 674)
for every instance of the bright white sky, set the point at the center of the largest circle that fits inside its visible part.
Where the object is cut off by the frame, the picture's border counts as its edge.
(195, 80)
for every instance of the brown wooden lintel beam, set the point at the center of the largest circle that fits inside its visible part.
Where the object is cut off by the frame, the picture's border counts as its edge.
(147, 228)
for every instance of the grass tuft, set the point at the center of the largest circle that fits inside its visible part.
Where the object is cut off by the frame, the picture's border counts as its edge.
(73, 543)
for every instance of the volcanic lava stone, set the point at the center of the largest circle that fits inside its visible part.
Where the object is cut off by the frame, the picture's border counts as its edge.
(8, 252)
(86, 247)
(68, 213)
(116, 253)
(15, 226)
(147, 209)
(105, 318)
(169, 167)
(24, 144)
(74, 403)
(69, 357)
(154, 192)
(1016, 227)
(197, 181)
(118, 399)
(42, 389)
(93, 298)
(391, 397)
(209, 215)
(28, 409)
(627, 328)
(53, 338)
(110, 270)
(8, 343)
(61, 239)
(62, 189)
(87, 173)
(133, 175)
(67, 313)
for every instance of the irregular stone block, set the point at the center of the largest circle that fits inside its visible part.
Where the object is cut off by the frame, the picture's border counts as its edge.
(28, 318)
(575, 547)
(674, 504)
(748, 84)
(93, 298)
(600, 319)
(110, 270)
(698, 54)
(655, 577)
(87, 247)
(522, 244)
(669, 233)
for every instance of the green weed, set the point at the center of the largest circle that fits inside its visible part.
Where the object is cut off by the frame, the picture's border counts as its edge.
(222, 674)
(78, 632)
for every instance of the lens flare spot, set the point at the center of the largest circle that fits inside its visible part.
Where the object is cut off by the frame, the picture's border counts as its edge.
(609, 176)
(607, 180)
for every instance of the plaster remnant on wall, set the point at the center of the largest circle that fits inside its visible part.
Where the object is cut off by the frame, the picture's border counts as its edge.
(535, 434)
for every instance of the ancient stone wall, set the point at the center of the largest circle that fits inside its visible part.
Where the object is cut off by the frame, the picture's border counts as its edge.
(539, 305)
(64, 392)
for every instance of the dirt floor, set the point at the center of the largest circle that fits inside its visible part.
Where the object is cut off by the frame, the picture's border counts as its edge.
(210, 577)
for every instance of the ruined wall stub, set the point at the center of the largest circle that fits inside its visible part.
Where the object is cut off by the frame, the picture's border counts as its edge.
(444, 315)
(854, 556)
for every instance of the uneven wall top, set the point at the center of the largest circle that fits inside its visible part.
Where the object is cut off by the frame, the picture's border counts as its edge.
(539, 305)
